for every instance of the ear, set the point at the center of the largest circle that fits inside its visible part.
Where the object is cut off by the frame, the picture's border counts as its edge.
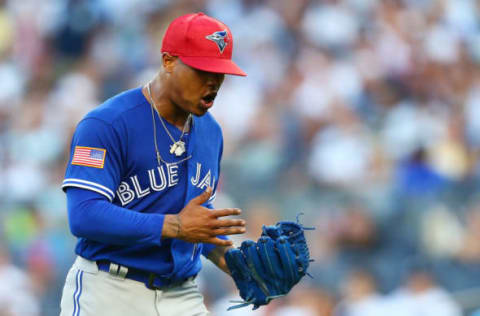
(169, 62)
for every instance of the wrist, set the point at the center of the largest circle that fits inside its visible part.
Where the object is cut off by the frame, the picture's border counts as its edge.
(217, 256)
(171, 226)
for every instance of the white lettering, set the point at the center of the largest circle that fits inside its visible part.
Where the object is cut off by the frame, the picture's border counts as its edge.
(172, 171)
(206, 181)
(138, 189)
(197, 175)
(153, 181)
(125, 194)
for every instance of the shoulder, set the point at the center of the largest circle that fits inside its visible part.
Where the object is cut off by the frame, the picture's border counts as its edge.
(118, 106)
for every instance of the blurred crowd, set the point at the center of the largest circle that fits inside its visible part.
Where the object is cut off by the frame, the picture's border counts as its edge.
(362, 114)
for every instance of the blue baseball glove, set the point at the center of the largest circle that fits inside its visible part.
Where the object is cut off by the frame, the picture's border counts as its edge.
(270, 267)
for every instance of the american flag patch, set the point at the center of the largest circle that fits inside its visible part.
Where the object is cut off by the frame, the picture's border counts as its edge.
(88, 156)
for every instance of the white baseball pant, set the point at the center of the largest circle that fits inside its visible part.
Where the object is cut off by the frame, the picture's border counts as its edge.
(89, 291)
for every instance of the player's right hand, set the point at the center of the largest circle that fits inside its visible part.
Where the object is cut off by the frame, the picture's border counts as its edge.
(196, 223)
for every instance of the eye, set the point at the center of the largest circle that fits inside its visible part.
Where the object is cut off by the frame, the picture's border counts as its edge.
(201, 73)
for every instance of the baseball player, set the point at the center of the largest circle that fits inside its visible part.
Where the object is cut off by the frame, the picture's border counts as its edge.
(140, 182)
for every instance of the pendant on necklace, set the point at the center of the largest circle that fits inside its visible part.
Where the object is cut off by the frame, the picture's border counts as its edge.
(178, 148)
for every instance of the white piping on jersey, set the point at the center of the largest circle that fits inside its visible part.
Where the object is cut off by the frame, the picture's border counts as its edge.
(91, 183)
(195, 246)
(82, 186)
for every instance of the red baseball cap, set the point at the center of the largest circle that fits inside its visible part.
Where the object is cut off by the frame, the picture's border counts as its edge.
(201, 42)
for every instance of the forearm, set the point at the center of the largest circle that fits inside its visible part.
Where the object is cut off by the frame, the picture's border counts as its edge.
(217, 256)
(93, 217)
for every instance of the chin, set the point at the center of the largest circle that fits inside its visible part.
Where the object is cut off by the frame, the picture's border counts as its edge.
(202, 113)
(199, 111)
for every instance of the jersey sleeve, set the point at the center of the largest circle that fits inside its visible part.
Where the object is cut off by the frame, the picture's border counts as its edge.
(88, 212)
(95, 158)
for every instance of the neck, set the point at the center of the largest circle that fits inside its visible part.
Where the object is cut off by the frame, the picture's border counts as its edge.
(161, 101)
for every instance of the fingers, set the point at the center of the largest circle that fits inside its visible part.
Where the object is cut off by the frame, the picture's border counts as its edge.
(202, 197)
(236, 263)
(219, 223)
(219, 242)
(226, 212)
(229, 231)
(228, 226)
(269, 255)
(287, 258)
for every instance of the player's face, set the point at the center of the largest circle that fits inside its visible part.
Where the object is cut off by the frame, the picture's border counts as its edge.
(194, 90)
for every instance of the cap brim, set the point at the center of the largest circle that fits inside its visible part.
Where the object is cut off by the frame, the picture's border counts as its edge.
(217, 65)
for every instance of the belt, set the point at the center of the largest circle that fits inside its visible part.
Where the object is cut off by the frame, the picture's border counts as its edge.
(151, 280)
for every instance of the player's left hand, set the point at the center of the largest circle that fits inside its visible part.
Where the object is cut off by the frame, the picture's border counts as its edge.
(270, 267)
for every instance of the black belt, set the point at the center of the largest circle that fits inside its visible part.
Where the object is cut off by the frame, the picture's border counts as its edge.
(151, 280)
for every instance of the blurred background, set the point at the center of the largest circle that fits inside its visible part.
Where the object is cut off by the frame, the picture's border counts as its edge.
(362, 114)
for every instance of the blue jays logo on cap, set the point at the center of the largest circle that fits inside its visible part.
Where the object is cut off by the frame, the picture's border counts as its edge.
(219, 38)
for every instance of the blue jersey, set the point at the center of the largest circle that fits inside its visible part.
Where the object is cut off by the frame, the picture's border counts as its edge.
(113, 154)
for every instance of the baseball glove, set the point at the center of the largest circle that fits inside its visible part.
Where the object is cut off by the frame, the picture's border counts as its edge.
(270, 267)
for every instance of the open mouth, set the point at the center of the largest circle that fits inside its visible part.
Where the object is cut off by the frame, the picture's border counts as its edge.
(210, 97)
(207, 100)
